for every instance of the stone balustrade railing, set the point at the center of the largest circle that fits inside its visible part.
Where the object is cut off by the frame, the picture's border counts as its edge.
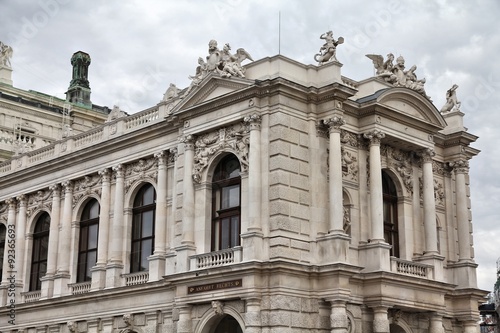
(71, 144)
(216, 258)
(32, 296)
(80, 288)
(411, 268)
(133, 279)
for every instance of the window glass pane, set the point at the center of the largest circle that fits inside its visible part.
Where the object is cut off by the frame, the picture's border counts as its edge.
(80, 275)
(92, 238)
(147, 250)
(91, 260)
(230, 196)
(83, 238)
(149, 195)
(147, 223)
(134, 259)
(136, 227)
(94, 210)
(235, 231)
(224, 243)
(44, 247)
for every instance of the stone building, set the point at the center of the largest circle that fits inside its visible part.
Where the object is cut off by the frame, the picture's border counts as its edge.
(270, 197)
(30, 120)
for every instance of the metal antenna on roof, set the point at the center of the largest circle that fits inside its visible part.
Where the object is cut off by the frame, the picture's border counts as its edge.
(279, 33)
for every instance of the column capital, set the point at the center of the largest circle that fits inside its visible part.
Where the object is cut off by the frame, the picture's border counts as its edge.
(23, 200)
(161, 157)
(460, 166)
(12, 202)
(188, 141)
(254, 120)
(334, 123)
(56, 189)
(105, 174)
(119, 170)
(375, 136)
(173, 154)
(427, 154)
(68, 186)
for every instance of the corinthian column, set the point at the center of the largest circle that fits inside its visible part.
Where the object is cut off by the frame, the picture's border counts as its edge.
(115, 266)
(48, 279)
(188, 192)
(21, 238)
(376, 199)
(429, 202)
(461, 168)
(99, 270)
(157, 260)
(10, 234)
(254, 174)
(187, 247)
(335, 174)
(65, 239)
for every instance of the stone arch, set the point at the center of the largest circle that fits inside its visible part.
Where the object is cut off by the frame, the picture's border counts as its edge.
(134, 189)
(209, 320)
(30, 224)
(208, 172)
(80, 205)
(399, 326)
(398, 181)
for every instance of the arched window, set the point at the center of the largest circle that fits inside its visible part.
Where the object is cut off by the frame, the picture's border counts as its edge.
(390, 197)
(143, 227)
(3, 236)
(40, 251)
(87, 248)
(226, 195)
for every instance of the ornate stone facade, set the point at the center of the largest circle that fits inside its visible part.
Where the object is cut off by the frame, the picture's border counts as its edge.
(248, 202)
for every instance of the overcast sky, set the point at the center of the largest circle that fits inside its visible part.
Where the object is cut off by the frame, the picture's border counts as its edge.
(139, 47)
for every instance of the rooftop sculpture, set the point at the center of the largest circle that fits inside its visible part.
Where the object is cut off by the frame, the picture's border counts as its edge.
(396, 74)
(452, 104)
(221, 62)
(5, 55)
(328, 51)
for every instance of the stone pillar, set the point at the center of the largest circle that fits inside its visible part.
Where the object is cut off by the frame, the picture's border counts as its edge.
(377, 256)
(21, 239)
(470, 326)
(9, 269)
(461, 168)
(252, 238)
(115, 265)
(338, 317)
(429, 202)
(436, 323)
(64, 245)
(48, 279)
(335, 174)
(157, 260)
(380, 320)
(253, 316)
(187, 247)
(184, 325)
(99, 270)
(171, 256)
(376, 199)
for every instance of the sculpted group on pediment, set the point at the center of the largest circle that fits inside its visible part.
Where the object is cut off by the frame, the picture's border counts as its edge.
(396, 74)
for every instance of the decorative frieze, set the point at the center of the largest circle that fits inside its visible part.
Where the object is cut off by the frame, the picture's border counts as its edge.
(140, 170)
(349, 139)
(234, 138)
(86, 186)
(349, 165)
(41, 199)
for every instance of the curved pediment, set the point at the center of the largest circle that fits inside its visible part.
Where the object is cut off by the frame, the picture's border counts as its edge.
(409, 103)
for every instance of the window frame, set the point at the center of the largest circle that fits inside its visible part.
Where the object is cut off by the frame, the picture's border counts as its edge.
(38, 238)
(137, 243)
(390, 198)
(85, 224)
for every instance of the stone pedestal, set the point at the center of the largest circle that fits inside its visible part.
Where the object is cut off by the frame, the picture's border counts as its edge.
(376, 256)
(156, 267)
(333, 247)
(113, 275)
(61, 281)
(98, 277)
(183, 254)
(253, 246)
(6, 75)
(436, 261)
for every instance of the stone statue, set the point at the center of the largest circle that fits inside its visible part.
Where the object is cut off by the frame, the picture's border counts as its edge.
(223, 63)
(172, 92)
(452, 104)
(5, 55)
(396, 74)
(328, 51)
(218, 307)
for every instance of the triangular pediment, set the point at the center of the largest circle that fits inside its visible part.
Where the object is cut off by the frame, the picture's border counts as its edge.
(211, 88)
